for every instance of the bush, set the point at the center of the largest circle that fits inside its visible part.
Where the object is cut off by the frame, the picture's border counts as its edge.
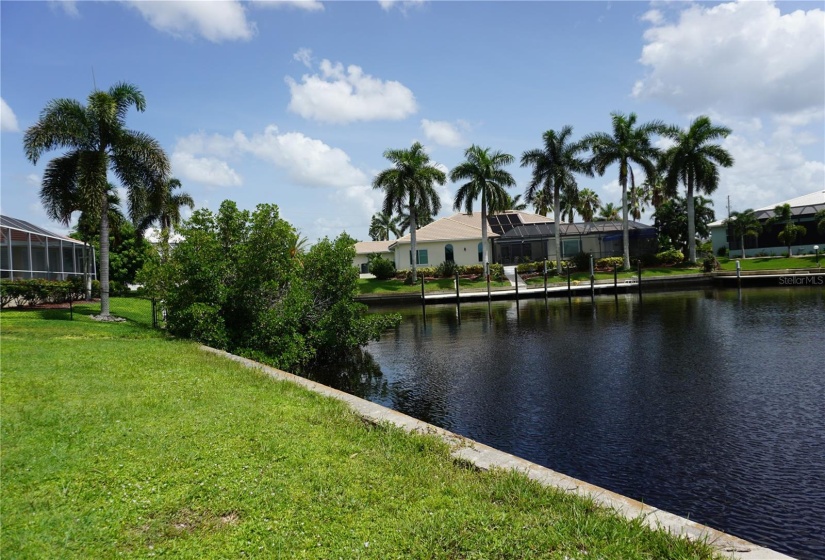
(672, 256)
(471, 269)
(447, 269)
(497, 272)
(722, 252)
(610, 262)
(35, 291)
(201, 322)
(382, 268)
(709, 263)
(526, 268)
(581, 262)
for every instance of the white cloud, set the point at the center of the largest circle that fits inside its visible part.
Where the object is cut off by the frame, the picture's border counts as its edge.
(8, 120)
(209, 171)
(653, 16)
(308, 5)
(33, 180)
(342, 96)
(308, 162)
(403, 5)
(216, 21)
(443, 133)
(736, 57)
(69, 7)
(304, 56)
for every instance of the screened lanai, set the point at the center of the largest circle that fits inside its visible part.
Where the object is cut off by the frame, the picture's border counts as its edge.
(29, 251)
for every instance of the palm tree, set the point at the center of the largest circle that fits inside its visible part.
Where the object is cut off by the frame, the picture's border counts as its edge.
(609, 212)
(655, 191)
(744, 223)
(408, 185)
(482, 169)
(163, 206)
(97, 141)
(382, 225)
(628, 144)
(588, 204)
(637, 202)
(694, 161)
(553, 169)
(423, 217)
(542, 202)
(819, 218)
(511, 203)
(569, 203)
(790, 231)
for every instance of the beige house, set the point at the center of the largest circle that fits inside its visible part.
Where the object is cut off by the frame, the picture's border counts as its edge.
(363, 249)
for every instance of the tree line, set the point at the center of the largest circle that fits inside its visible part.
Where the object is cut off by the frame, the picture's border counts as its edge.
(692, 161)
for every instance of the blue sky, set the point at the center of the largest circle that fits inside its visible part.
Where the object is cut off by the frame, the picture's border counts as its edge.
(294, 103)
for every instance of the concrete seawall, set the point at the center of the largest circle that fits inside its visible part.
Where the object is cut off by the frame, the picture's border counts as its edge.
(485, 458)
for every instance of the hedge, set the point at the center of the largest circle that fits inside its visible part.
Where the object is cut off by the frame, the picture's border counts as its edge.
(35, 291)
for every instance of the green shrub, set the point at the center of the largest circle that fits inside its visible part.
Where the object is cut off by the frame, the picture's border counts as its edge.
(201, 322)
(709, 263)
(34, 291)
(610, 262)
(472, 269)
(497, 272)
(526, 268)
(581, 262)
(382, 268)
(722, 252)
(671, 256)
(447, 269)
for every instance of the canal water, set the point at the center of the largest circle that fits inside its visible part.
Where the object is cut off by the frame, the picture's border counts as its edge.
(708, 404)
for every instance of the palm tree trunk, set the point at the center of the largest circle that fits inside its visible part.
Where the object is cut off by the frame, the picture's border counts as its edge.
(413, 253)
(485, 256)
(625, 228)
(87, 281)
(556, 217)
(104, 256)
(743, 246)
(691, 225)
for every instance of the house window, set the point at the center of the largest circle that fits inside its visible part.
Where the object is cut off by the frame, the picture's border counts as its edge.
(365, 268)
(421, 256)
(448, 253)
(571, 247)
(480, 252)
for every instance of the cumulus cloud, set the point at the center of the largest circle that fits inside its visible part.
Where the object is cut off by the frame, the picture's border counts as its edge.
(209, 171)
(8, 120)
(338, 95)
(307, 161)
(216, 21)
(737, 57)
(304, 56)
(443, 133)
(403, 5)
(69, 7)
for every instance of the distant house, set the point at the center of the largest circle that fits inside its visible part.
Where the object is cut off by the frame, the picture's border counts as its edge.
(363, 249)
(514, 237)
(803, 209)
(29, 251)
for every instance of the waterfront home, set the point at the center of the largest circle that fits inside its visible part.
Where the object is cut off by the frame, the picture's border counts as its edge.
(363, 250)
(29, 251)
(803, 210)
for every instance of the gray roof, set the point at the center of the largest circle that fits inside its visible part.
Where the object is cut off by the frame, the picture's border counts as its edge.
(805, 205)
(21, 225)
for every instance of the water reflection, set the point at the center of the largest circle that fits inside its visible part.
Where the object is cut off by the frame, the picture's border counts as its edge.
(708, 403)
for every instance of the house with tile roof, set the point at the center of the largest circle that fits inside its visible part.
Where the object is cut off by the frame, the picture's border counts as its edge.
(364, 249)
(803, 209)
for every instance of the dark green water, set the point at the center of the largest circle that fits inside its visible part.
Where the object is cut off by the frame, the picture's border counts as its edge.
(708, 404)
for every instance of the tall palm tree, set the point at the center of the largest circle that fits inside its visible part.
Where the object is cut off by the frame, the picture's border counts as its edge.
(637, 201)
(790, 231)
(655, 191)
(511, 203)
(744, 223)
(694, 160)
(163, 206)
(553, 168)
(97, 141)
(609, 212)
(588, 204)
(423, 217)
(382, 225)
(543, 202)
(482, 169)
(819, 218)
(627, 144)
(409, 185)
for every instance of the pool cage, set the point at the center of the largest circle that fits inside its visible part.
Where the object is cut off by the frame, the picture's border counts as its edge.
(28, 251)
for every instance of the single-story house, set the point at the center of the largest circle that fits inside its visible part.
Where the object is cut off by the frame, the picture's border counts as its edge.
(803, 210)
(363, 250)
(29, 251)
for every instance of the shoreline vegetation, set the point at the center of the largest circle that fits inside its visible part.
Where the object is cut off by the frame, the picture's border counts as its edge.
(432, 285)
(120, 441)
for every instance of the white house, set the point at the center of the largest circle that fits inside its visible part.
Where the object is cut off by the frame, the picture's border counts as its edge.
(363, 249)
(803, 210)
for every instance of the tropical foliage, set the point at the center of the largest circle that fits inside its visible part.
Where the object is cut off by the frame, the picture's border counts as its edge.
(694, 160)
(672, 222)
(744, 224)
(96, 141)
(589, 202)
(609, 212)
(163, 206)
(627, 144)
(783, 216)
(554, 167)
(233, 283)
(485, 179)
(409, 185)
(382, 225)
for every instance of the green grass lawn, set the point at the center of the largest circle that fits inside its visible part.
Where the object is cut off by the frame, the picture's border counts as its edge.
(772, 263)
(120, 442)
(585, 276)
(393, 286)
